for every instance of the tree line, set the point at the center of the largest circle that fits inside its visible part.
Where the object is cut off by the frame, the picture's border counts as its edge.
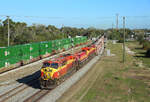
(21, 33)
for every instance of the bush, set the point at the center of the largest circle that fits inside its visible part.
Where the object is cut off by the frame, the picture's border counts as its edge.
(148, 53)
(142, 42)
(120, 40)
(140, 38)
(146, 45)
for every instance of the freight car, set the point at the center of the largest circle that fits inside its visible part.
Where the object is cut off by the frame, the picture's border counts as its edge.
(54, 71)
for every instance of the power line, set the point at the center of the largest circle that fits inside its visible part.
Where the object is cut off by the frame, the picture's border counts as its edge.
(47, 17)
(32, 16)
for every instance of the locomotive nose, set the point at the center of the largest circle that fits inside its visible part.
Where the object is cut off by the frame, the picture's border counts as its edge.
(46, 73)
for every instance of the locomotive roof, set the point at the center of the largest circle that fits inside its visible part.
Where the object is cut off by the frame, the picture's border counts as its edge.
(86, 48)
(61, 59)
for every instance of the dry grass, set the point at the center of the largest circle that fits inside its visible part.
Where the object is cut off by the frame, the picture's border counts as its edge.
(116, 84)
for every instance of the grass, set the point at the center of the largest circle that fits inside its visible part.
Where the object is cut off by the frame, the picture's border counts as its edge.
(119, 81)
(140, 53)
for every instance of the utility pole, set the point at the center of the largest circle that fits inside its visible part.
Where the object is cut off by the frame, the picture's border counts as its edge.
(117, 21)
(8, 31)
(123, 39)
(0, 22)
(113, 31)
(62, 25)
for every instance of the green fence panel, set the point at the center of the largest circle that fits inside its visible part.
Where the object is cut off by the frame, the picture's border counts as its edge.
(34, 47)
(44, 45)
(3, 53)
(14, 51)
(30, 48)
(34, 55)
(25, 49)
(45, 51)
(12, 60)
(49, 44)
(54, 44)
(26, 57)
(63, 41)
(67, 46)
(2, 63)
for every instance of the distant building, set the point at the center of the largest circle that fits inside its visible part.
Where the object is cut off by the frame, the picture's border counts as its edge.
(147, 36)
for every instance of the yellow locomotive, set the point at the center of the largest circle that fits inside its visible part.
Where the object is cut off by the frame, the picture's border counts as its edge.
(53, 72)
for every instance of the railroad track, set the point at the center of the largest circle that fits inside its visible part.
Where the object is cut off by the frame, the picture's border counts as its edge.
(13, 92)
(37, 96)
(41, 93)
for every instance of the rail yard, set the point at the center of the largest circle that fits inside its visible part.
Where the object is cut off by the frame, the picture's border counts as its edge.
(35, 87)
(75, 51)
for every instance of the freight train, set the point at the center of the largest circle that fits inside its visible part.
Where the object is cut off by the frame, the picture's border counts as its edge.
(55, 71)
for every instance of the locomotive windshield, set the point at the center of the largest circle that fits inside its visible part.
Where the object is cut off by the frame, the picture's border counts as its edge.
(46, 65)
(54, 65)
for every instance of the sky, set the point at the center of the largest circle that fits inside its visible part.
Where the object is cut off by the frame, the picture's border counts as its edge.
(78, 13)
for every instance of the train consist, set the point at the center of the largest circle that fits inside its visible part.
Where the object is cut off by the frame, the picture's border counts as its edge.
(55, 71)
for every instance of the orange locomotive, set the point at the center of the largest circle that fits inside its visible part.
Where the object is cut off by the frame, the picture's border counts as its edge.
(54, 71)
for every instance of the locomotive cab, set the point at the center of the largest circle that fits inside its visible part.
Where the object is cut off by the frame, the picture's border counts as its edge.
(47, 72)
(48, 69)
